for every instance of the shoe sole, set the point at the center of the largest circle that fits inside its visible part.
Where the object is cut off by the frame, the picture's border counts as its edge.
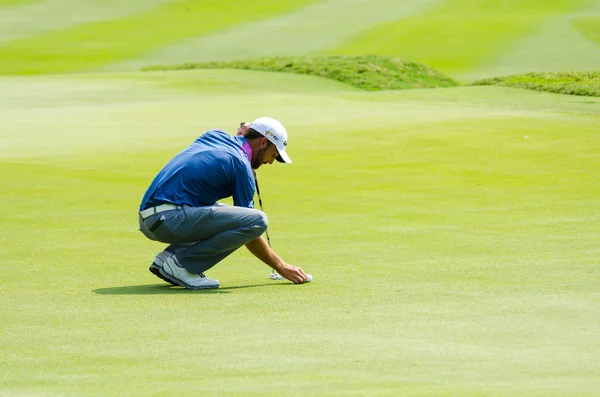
(159, 272)
(155, 269)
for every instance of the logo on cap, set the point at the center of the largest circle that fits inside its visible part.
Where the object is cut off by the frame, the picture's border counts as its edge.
(269, 133)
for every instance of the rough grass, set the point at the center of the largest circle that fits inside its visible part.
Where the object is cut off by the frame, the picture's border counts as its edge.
(569, 83)
(373, 73)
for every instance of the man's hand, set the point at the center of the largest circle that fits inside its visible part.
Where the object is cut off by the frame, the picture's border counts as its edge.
(293, 273)
(243, 128)
(260, 248)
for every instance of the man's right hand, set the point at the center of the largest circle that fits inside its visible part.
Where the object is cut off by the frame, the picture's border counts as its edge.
(293, 273)
(260, 248)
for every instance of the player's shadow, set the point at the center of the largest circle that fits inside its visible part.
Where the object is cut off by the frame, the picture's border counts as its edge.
(153, 289)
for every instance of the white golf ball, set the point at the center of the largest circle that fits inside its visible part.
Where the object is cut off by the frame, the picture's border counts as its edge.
(308, 278)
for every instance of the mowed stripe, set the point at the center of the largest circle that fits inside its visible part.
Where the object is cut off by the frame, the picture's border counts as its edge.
(590, 27)
(7, 3)
(459, 35)
(87, 46)
(302, 32)
(571, 50)
(28, 19)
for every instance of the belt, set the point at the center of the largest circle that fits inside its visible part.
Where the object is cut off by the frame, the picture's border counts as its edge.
(160, 208)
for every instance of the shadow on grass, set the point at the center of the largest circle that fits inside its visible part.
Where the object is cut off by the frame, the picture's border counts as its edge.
(152, 289)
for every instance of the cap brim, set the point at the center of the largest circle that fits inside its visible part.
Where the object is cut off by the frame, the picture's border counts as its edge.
(283, 158)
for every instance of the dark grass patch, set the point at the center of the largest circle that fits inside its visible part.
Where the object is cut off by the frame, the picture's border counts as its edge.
(373, 73)
(568, 83)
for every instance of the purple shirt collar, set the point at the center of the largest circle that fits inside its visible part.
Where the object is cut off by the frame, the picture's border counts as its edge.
(246, 147)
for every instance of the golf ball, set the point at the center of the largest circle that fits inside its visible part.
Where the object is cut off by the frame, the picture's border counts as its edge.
(308, 278)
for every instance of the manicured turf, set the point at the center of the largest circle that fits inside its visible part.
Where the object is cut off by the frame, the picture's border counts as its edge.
(459, 35)
(464, 39)
(86, 46)
(4, 3)
(452, 232)
(30, 19)
(452, 235)
(590, 27)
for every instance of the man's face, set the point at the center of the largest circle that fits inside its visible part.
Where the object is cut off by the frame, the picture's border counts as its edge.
(266, 154)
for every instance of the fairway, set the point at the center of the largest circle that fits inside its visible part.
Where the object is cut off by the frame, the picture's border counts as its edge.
(452, 233)
(464, 38)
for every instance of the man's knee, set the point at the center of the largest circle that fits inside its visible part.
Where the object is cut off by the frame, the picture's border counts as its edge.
(262, 222)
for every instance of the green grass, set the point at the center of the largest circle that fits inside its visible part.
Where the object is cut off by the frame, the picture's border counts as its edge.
(589, 26)
(376, 73)
(570, 83)
(366, 72)
(42, 17)
(7, 3)
(464, 39)
(455, 36)
(452, 235)
(91, 45)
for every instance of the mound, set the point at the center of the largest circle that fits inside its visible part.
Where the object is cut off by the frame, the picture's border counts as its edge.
(570, 83)
(372, 73)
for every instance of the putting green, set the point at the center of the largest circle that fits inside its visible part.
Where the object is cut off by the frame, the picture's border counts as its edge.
(452, 235)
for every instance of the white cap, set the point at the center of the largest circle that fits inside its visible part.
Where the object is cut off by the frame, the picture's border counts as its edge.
(274, 131)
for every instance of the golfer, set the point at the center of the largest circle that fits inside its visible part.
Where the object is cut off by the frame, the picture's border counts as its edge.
(181, 208)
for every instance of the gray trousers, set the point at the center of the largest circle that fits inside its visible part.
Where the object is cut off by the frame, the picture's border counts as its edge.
(201, 237)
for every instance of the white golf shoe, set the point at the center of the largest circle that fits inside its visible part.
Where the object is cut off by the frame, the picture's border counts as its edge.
(180, 276)
(158, 264)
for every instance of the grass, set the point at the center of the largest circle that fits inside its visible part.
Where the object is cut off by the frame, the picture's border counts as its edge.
(36, 18)
(457, 36)
(589, 26)
(452, 235)
(92, 45)
(376, 73)
(6, 3)
(300, 33)
(463, 39)
(366, 72)
(569, 83)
